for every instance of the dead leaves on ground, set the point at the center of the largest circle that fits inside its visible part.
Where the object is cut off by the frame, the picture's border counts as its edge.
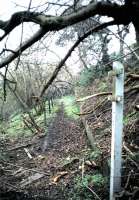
(56, 178)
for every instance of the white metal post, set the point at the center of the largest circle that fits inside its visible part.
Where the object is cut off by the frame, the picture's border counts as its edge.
(117, 129)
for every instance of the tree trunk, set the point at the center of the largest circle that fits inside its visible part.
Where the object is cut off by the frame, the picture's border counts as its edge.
(137, 39)
(25, 107)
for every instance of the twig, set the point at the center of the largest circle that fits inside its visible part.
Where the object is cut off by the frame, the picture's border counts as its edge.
(127, 149)
(25, 168)
(11, 185)
(28, 153)
(130, 194)
(21, 146)
(128, 179)
(94, 95)
(134, 76)
(120, 38)
(136, 87)
(133, 161)
(5, 81)
(123, 56)
(83, 169)
(91, 111)
(94, 193)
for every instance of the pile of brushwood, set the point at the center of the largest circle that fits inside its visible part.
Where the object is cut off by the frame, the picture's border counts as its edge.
(96, 113)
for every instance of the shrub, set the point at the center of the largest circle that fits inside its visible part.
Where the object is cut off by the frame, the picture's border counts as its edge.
(96, 181)
(87, 76)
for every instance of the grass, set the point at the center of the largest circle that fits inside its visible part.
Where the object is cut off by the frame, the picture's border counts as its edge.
(70, 106)
(15, 127)
(129, 117)
(40, 119)
(81, 184)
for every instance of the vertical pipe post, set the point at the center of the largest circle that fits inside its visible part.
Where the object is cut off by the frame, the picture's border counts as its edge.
(117, 129)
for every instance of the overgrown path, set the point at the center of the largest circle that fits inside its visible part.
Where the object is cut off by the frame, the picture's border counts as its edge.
(55, 162)
(64, 135)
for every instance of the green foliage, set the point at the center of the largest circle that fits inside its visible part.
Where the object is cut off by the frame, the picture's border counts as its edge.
(115, 55)
(70, 106)
(81, 192)
(40, 119)
(93, 155)
(103, 86)
(86, 77)
(96, 181)
(129, 117)
(15, 127)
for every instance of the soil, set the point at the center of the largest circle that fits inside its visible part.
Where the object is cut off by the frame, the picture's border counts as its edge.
(55, 162)
(58, 158)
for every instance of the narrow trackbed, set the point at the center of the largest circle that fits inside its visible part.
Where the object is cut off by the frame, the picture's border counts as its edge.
(64, 141)
(64, 135)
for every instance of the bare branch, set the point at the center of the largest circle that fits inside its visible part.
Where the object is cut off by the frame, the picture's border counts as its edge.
(53, 23)
(62, 62)
(37, 36)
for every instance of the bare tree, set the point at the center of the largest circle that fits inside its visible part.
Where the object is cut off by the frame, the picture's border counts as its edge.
(67, 15)
(121, 14)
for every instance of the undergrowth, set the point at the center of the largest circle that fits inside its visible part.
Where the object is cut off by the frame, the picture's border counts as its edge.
(16, 128)
(84, 185)
(70, 106)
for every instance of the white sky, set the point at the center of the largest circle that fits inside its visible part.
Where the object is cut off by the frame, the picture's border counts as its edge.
(8, 7)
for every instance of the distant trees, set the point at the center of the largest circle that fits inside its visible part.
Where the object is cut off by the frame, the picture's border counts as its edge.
(27, 83)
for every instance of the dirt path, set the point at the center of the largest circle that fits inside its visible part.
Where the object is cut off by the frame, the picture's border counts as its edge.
(57, 156)
(64, 136)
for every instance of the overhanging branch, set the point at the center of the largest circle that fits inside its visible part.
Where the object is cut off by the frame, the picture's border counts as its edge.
(53, 23)
(62, 62)
(37, 36)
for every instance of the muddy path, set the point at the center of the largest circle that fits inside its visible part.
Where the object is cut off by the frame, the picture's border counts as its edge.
(55, 162)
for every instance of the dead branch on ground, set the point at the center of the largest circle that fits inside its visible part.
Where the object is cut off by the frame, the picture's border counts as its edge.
(94, 95)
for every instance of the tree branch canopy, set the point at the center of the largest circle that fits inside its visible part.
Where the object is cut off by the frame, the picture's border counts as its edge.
(62, 62)
(122, 14)
(52, 23)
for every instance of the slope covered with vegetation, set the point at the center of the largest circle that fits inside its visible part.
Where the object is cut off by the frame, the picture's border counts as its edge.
(96, 114)
(59, 162)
